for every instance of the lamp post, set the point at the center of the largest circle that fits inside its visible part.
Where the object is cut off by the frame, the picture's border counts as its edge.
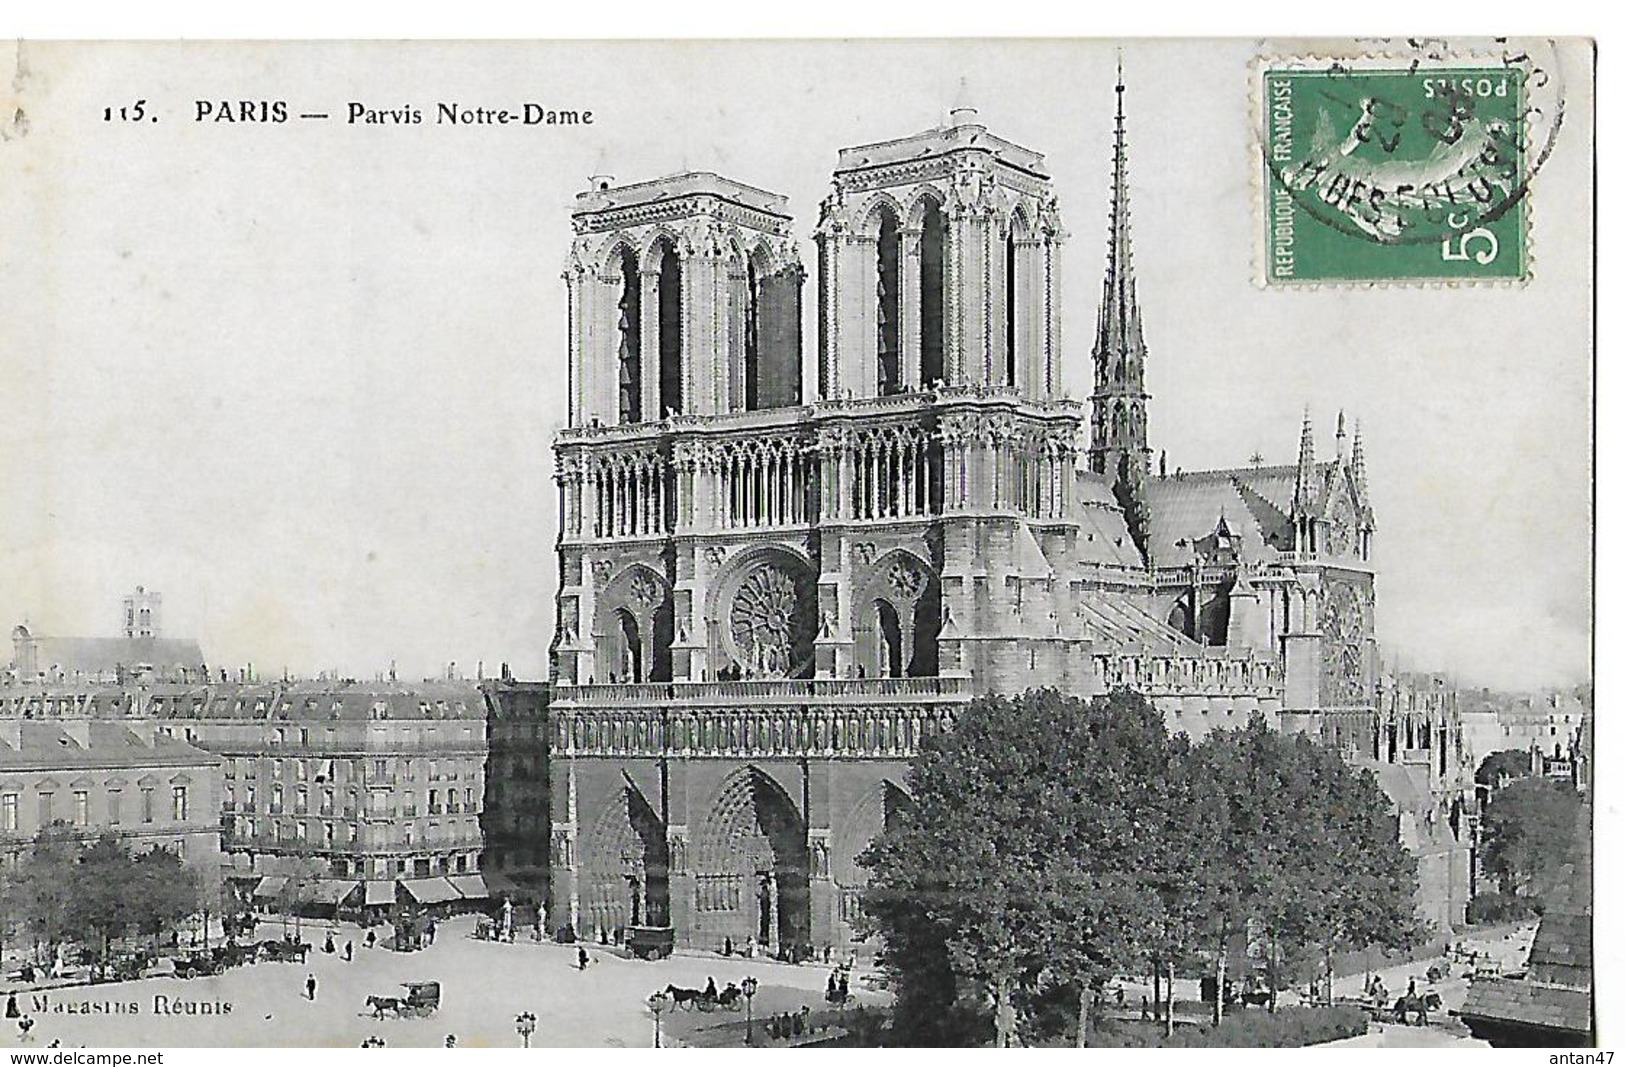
(748, 987)
(525, 1023)
(658, 1003)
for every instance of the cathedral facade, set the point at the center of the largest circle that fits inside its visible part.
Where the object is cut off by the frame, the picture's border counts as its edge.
(768, 599)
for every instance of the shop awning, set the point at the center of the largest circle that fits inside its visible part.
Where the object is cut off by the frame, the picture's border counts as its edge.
(430, 890)
(471, 886)
(330, 891)
(270, 885)
(380, 893)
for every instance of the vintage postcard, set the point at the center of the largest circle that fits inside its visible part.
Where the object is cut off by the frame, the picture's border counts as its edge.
(797, 543)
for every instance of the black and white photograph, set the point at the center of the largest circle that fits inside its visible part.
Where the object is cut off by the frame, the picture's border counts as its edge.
(777, 544)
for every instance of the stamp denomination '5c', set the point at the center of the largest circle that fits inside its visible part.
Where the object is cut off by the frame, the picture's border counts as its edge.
(1399, 173)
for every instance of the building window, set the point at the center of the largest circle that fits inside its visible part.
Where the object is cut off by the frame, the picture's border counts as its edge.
(301, 801)
(468, 799)
(248, 797)
(228, 798)
(327, 802)
(278, 735)
(299, 832)
(114, 799)
(146, 805)
(327, 833)
(44, 809)
(81, 808)
(180, 849)
(434, 770)
(380, 768)
(434, 802)
(300, 770)
(406, 828)
(177, 803)
(8, 812)
(276, 799)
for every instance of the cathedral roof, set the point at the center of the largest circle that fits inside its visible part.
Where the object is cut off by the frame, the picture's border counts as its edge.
(1254, 502)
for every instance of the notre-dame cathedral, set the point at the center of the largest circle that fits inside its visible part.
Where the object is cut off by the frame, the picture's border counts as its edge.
(767, 599)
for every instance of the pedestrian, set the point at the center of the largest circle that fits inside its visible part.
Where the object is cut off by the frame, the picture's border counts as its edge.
(25, 1027)
(11, 1006)
(581, 958)
(451, 1040)
(1411, 990)
(310, 986)
(710, 988)
(1145, 1008)
(372, 939)
(349, 951)
(327, 946)
(826, 953)
(727, 946)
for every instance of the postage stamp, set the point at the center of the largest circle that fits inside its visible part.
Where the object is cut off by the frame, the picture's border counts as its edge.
(1388, 168)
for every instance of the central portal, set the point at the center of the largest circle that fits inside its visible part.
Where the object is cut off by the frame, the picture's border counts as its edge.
(751, 878)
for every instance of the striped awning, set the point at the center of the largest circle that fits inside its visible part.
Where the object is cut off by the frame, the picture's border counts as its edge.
(430, 890)
(380, 893)
(270, 885)
(332, 891)
(471, 886)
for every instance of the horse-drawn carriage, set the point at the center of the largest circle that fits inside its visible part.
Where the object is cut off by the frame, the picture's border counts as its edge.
(729, 998)
(422, 999)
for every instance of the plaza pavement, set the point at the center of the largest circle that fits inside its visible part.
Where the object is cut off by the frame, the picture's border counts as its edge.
(484, 986)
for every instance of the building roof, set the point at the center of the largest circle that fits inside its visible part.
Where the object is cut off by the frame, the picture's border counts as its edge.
(291, 701)
(1254, 503)
(1406, 785)
(678, 186)
(1529, 1003)
(36, 745)
(1561, 954)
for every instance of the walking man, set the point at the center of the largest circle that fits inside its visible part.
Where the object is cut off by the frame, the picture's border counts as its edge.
(581, 958)
(349, 951)
(310, 987)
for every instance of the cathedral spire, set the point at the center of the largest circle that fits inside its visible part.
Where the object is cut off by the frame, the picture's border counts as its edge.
(1119, 399)
(1118, 447)
(1359, 464)
(1303, 491)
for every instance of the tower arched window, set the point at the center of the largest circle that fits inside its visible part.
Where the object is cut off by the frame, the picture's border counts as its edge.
(629, 357)
(753, 335)
(933, 238)
(1011, 296)
(670, 289)
(888, 312)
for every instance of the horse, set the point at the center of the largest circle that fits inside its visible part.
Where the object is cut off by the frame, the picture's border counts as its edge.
(379, 1005)
(1405, 1004)
(685, 998)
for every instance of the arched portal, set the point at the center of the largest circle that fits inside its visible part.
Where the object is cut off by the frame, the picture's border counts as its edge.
(889, 640)
(625, 864)
(876, 809)
(752, 866)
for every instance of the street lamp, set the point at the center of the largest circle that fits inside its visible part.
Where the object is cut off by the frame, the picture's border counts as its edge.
(748, 987)
(658, 1003)
(526, 1025)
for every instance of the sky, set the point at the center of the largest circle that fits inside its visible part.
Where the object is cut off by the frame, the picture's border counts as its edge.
(302, 378)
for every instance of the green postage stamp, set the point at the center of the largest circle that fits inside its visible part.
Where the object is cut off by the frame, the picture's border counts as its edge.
(1402, 169)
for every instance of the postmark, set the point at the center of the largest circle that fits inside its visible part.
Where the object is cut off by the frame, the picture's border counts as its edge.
(1403, 168)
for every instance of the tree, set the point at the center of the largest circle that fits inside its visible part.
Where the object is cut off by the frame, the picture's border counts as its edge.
(42, 885)
(1019, 869)
(105, 893)
(167, 891)
(1508, 762)
(1311, 852)
(1528, 835)
(299, 889)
